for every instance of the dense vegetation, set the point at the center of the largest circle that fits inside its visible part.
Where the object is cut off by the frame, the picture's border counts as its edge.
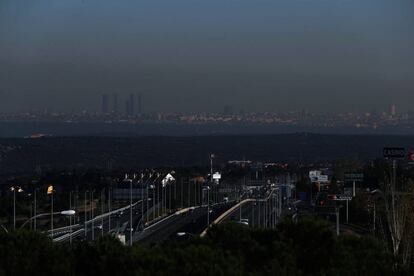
(305, 248)
(24, 155)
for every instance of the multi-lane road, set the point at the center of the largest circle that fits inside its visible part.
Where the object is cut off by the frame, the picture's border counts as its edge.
(191, 221)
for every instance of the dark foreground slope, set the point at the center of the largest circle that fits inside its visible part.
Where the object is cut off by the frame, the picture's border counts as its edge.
(19, 155)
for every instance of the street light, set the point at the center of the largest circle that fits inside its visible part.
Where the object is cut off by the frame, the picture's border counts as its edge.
(68, 213)
(19, 190)
(208, 205)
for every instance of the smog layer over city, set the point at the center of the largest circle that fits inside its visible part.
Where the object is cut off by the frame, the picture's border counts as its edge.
(190, 137)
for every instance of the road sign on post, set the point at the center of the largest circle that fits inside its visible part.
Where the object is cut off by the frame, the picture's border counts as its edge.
(353, 176)
(394, 153)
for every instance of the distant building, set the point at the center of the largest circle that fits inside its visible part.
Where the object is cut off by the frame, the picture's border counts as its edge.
(127, 108)
(393, 110)
(132, 104)
(140, 104)
(104, 103)
(115, 102)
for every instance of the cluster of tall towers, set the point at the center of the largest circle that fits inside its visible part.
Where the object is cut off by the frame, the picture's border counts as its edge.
(133, 104)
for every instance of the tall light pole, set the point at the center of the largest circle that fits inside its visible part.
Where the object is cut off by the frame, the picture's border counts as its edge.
(19, 190)
(211, 167)
(35, 210)
(254, 204)
(208, 205)
(142, 200)
(146, 188)
(50, 191)
(102, 211)
(70, 218)
(92, 218)
(63, 213)
(130, 213)
(86, 216)
(109, 209)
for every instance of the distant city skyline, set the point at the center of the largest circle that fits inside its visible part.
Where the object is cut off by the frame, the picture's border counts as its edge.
(191, 56)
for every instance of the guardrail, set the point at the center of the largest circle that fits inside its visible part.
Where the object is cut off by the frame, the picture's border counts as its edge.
(69, 228)
(226, 214)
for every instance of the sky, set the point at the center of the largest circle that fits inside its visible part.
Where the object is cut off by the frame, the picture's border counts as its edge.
(200, 55)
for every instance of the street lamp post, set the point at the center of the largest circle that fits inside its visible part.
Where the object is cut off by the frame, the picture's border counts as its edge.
(51, 206)
(70, 218)
(208, 205)
(19, 190)
(109, 209)
(86, 214)
(130, 213)
(102, 211)
(93, 224)
(35, 210)
(63, 213)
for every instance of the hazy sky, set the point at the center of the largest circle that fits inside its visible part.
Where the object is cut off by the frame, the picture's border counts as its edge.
(203, 54)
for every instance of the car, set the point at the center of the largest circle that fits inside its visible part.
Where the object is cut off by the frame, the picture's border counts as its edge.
(226, 199)
(181, 234)
(243, 223)
(245, 220)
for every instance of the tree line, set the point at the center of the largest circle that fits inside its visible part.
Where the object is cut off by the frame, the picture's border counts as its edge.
(308, 247)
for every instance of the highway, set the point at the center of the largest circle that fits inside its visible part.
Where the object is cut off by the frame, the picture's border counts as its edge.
(187, 222)
(191, 222)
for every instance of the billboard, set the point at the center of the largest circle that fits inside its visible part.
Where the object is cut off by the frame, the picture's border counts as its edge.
(317, 176)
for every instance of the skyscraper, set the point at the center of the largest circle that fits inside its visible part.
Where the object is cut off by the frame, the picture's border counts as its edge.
(393, 110)
(115, 103)
(139, 103)
(127, 108)
(104, 103)
(131, 105)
